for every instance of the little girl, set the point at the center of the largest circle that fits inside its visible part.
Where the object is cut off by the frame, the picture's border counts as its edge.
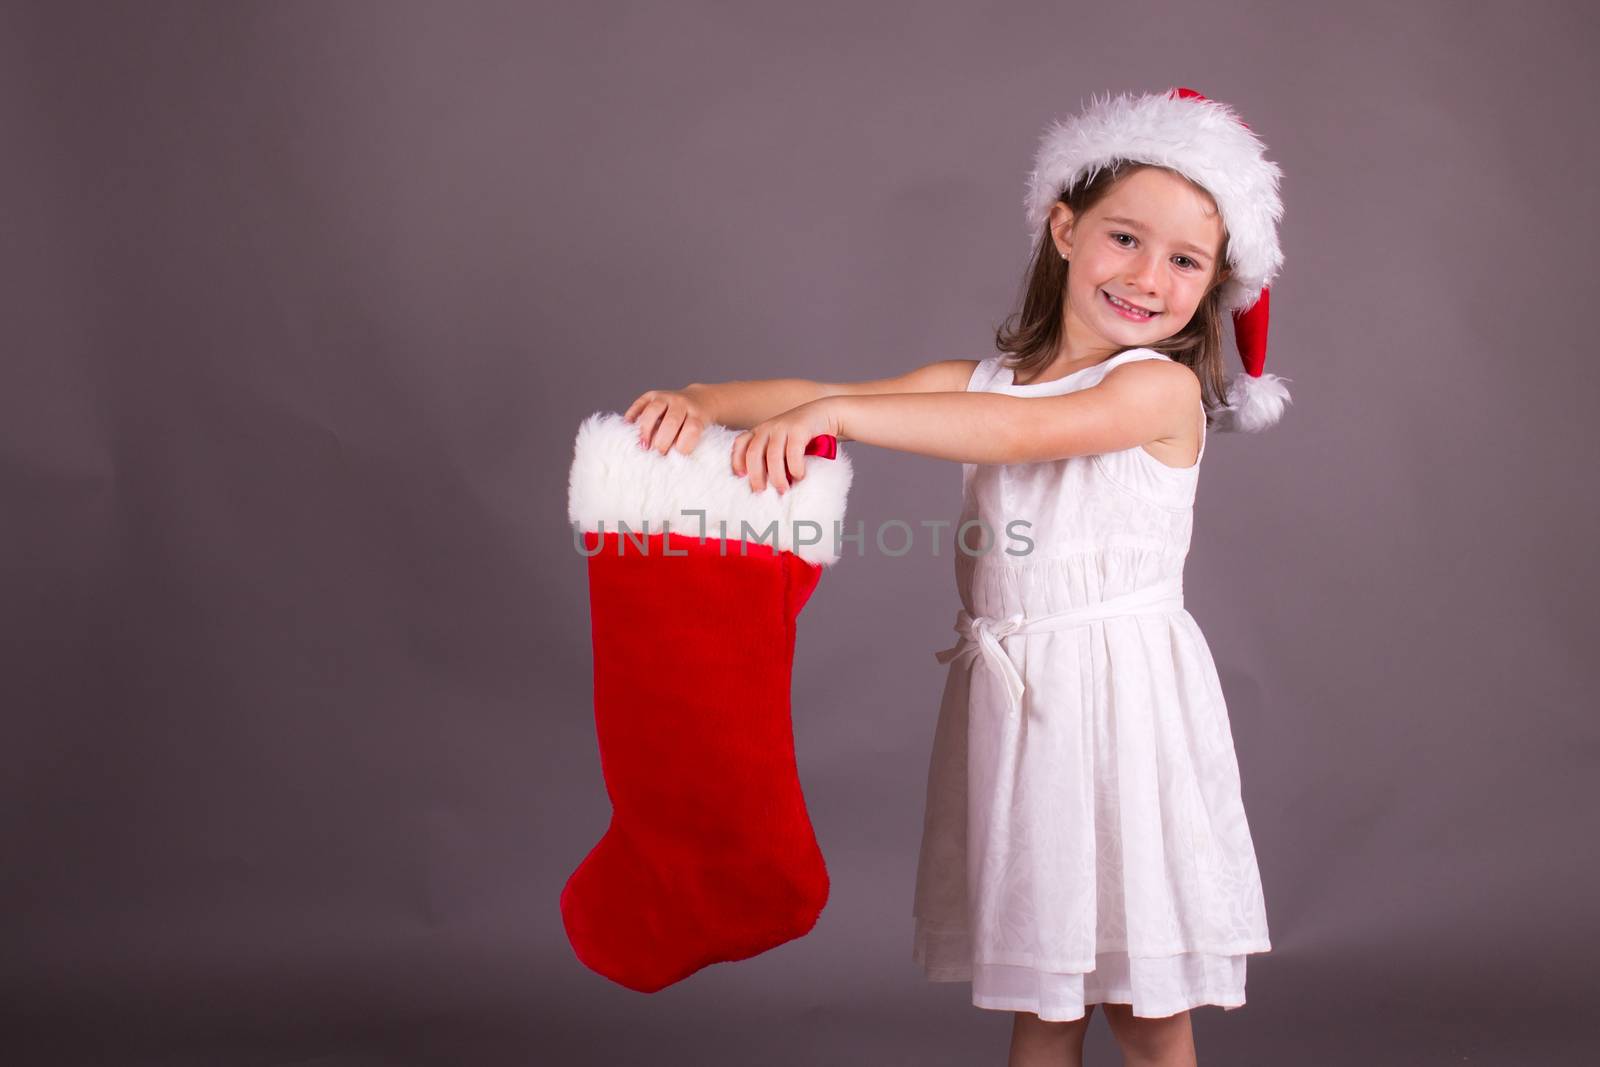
(1084, 838)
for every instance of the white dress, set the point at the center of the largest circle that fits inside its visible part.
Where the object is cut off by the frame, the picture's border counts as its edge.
(1084, 839)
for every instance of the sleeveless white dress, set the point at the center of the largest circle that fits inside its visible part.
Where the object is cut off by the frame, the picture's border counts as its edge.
(1084, 839)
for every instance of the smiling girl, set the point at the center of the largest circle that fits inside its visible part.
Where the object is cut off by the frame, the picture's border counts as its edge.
(1084, 837)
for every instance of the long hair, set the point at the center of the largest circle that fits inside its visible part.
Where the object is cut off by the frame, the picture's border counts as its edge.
(1031, 343)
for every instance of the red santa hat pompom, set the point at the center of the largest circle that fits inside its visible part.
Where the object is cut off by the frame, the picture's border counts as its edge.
(1207, 143)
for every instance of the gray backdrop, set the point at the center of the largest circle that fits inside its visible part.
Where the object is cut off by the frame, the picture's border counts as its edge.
(304, 302)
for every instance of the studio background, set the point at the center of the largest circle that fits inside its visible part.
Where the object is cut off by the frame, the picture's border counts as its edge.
(304, 303)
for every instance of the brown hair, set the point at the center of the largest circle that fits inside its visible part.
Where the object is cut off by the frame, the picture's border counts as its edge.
(1031, 344)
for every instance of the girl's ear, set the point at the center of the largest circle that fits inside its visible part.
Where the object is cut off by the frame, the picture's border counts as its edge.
(1061, 228)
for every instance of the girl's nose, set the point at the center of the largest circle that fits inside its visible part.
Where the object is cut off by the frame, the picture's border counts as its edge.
(1144, 275)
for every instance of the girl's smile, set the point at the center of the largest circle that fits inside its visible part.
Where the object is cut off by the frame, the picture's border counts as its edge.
(1131, 312)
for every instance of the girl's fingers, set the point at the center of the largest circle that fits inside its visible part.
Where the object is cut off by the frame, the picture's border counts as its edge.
(775, 470)
(667, 432)
(795, 453)
(765, 459)
(647, 422)
(755, 458)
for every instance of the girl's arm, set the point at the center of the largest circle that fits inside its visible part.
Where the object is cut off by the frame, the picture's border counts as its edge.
(670, 418)
(743, 404)
(1136, 403)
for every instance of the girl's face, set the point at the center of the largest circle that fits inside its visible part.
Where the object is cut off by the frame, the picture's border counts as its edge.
(1151, 243)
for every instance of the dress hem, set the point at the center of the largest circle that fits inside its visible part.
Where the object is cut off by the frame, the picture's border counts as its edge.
(1011, 1004)
(1065, 996)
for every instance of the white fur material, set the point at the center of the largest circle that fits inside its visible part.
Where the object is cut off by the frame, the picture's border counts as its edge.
(1201, 139)
(616, 480)
(1254, 403)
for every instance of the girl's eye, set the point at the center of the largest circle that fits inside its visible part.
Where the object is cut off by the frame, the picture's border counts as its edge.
(1189, 264)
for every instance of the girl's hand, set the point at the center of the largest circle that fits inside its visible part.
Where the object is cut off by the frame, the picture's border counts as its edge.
(775, 450)
(668, 416)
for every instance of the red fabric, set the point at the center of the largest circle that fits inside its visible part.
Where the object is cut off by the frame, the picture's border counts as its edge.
(1185, 93)
(710, 855)
(1250, 332)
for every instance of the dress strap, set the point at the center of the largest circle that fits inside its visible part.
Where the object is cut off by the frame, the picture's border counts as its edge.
(984, 375)
(1133, 355)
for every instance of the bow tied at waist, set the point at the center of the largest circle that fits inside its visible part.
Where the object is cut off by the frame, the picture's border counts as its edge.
(982, 634)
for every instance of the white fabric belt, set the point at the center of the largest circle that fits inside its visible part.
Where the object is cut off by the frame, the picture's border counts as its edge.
(983, 633)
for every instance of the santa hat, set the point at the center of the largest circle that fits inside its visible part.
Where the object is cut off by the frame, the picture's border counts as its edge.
(1211, 146)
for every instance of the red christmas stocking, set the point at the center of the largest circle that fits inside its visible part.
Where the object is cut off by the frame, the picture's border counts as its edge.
(710, 855)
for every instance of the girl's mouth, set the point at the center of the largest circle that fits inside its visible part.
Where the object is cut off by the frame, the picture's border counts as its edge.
(1127, 311)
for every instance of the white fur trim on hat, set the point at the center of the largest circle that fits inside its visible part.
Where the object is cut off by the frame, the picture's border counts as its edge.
(1253, 403)
(615, 480)
(1201, 139)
